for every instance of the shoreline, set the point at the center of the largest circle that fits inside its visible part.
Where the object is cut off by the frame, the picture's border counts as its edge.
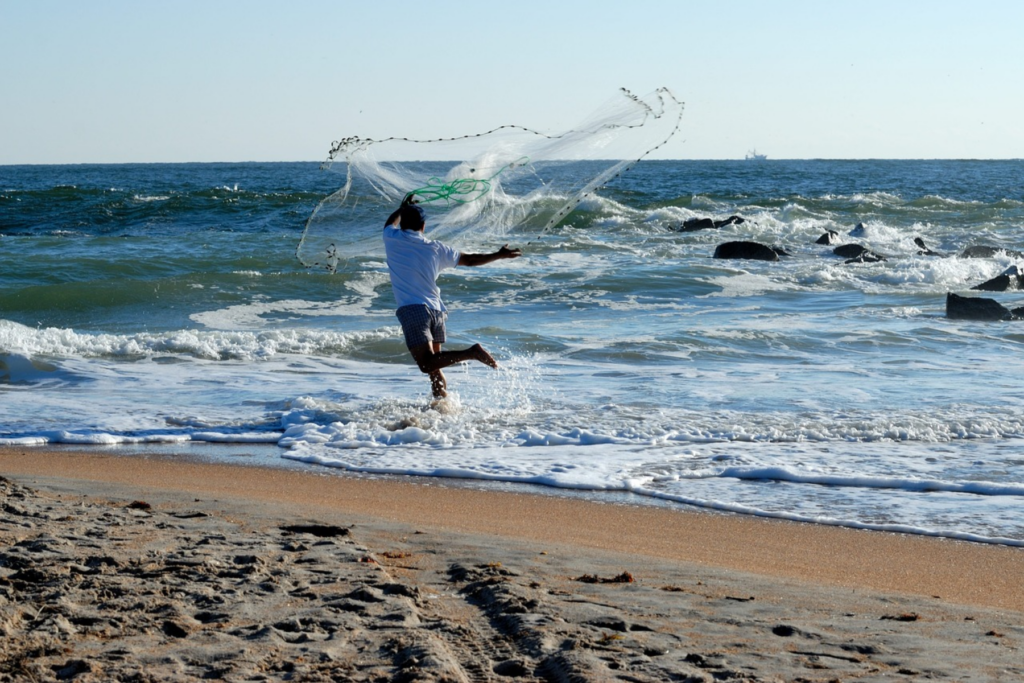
(827, 555)
(145, 568)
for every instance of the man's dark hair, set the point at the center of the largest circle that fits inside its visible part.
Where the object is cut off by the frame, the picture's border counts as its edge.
(412, 216)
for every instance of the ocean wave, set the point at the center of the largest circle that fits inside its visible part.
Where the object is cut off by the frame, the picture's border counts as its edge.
(20, 370)
(520, 424)
(127, 210)
(830, 519)
(490, 467)
(208, 345)
(255, 315)
(980, 488)
(936, 201)
(108, 438)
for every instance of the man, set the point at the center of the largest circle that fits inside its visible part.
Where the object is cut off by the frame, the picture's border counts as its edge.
(414, 263)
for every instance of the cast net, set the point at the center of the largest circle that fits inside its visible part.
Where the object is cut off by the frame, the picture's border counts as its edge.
(480, 188)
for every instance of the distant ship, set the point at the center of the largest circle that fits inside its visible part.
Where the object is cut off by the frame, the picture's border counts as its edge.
(752, 155)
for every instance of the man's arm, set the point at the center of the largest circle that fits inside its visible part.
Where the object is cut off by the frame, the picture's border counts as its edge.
(483, 259)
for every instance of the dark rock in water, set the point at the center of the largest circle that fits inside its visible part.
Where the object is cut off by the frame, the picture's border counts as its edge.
(925, 251)
(849, 250)
(978, 252)
(694, 224)
(746, 250)
(830, 237)
(779, 251)
(731, 220)
(1011, 279)
(975, 308)
(866, 257)
(988, 252)
(855, 253)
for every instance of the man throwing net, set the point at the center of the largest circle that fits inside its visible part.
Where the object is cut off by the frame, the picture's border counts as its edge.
(414, 262)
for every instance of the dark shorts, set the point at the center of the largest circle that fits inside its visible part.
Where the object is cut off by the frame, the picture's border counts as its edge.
(421, 325)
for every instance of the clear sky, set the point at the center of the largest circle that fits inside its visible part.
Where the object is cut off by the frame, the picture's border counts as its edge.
(255, 80)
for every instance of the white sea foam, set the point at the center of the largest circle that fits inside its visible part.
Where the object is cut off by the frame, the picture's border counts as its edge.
(215, 345)
(256, 315)
(745, 284)
(17, 369)
(610, 467)
(981, 488)
(24, 441)
(235, 437)
(831, 520)
(521, 426)
(876, 199)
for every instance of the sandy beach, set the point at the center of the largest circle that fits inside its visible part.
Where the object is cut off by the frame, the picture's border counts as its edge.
(137, 568)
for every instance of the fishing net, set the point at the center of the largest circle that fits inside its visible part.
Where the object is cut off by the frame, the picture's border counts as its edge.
(482, 187)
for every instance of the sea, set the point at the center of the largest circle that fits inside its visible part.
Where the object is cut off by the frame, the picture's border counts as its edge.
(160, 310)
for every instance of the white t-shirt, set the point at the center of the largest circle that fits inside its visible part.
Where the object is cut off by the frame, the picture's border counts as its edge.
(414, 263)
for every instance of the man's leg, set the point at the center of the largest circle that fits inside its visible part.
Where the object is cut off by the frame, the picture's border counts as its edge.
(438, 384)
(431, 360)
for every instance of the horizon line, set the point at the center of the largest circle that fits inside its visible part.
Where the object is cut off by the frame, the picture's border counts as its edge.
(306, 161)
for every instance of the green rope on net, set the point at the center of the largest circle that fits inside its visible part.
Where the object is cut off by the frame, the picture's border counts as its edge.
(460, 190)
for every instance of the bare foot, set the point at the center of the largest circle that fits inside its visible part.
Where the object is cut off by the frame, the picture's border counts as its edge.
(438, 384)
(480, 353)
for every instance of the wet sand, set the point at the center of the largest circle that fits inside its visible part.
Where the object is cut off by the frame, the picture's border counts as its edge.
(152, 568)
